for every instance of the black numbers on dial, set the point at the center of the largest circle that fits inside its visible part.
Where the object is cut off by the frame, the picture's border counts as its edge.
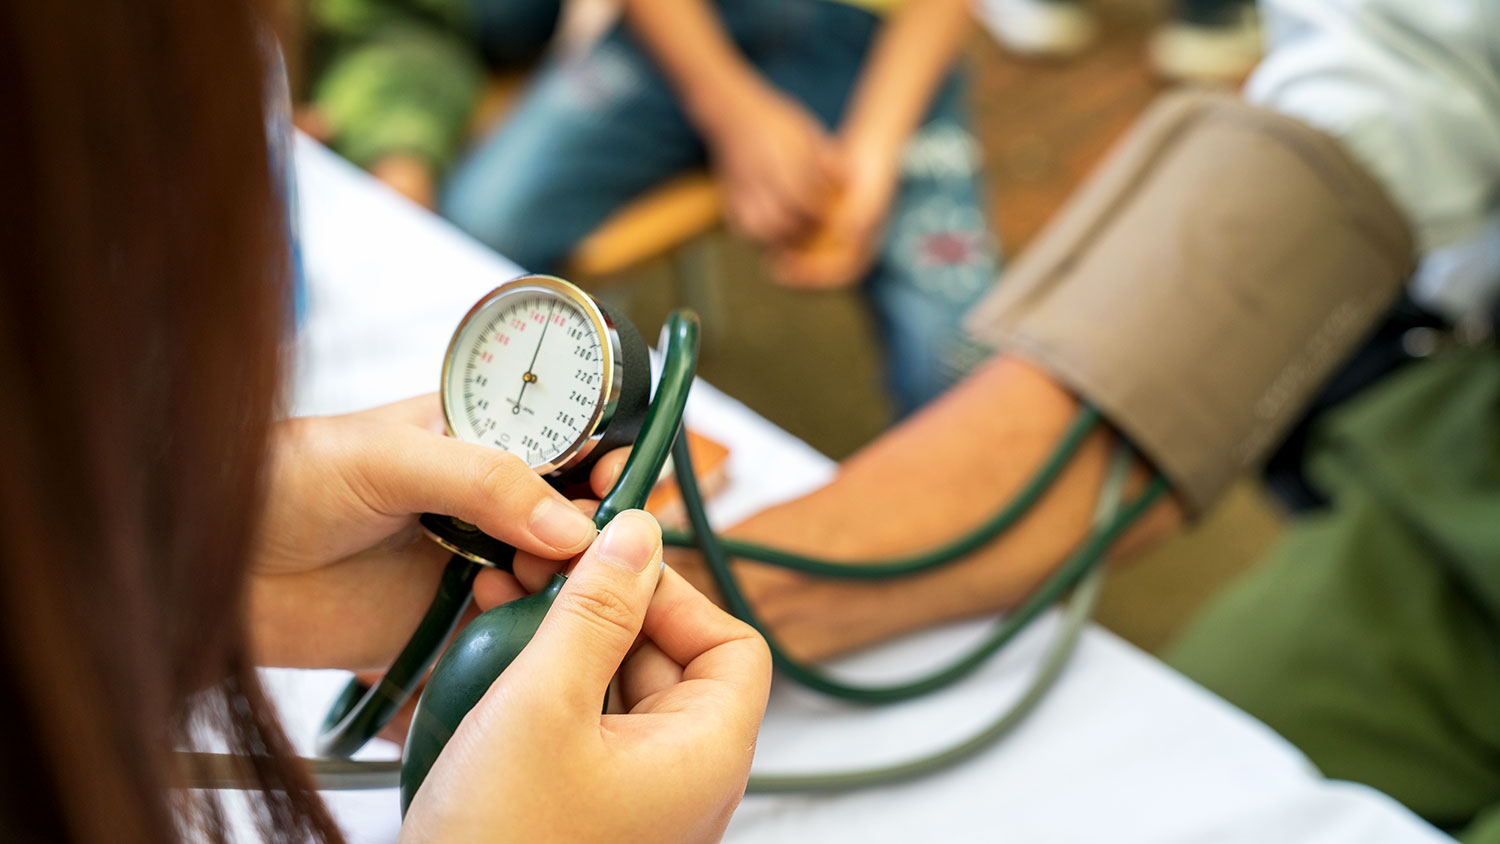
(530, 378)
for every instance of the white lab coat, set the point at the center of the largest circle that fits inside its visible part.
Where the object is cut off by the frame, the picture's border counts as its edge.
(1412, 89)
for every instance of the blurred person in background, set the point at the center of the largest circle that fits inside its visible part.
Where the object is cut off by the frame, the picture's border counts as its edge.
(836, 130)
(161, 534)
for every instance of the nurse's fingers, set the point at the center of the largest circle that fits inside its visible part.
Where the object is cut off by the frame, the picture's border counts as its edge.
(408, 470)
(708, 642)
(592, 624)
(534, 572)
(604, 474)
(493, 587)
(647, 671)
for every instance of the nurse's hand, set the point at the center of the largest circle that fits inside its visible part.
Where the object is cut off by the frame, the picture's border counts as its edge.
(536, 761)
(342, 572)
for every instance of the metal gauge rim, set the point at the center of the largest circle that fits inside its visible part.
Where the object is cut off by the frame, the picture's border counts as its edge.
(609, 393)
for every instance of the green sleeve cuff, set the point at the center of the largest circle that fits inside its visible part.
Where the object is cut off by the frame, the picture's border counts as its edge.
(411, 91)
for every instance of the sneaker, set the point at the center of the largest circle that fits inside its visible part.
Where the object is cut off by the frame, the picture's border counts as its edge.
(1221, 51)
(1038, 28)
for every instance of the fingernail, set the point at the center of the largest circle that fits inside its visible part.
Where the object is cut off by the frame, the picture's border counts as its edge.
(561, 525)
(630, 541)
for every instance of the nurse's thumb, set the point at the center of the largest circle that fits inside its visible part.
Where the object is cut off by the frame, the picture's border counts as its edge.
(597, 616)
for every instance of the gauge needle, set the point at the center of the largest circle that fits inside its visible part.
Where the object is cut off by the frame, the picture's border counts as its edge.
(529, 377)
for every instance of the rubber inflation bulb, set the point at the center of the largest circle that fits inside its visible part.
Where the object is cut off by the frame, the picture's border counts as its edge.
(466, 671)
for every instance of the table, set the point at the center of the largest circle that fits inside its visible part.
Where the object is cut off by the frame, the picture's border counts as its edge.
(1123, 751)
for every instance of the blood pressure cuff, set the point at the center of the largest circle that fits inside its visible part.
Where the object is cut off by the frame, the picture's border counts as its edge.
(1204, 282)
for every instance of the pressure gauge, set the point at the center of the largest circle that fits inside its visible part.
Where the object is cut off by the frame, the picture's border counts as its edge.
(541, 369)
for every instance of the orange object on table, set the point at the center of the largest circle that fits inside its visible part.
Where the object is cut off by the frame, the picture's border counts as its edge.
(710, 464)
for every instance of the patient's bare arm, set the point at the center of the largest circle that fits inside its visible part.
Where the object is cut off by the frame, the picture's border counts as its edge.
(1197, 289)
(931, 479)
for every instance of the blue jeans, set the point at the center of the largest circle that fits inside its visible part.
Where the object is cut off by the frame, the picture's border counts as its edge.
(598, 129)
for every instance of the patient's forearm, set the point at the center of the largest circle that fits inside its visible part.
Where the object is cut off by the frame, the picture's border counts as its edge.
(1144, 295)
(931, 479)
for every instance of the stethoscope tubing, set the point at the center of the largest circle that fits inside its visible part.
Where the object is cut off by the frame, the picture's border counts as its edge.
(226, 771)
(360, 711)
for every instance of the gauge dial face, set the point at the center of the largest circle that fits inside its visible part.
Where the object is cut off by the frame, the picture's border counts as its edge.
(529, 371)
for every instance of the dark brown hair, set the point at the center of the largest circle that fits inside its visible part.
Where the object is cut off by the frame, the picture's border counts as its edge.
(142, 300)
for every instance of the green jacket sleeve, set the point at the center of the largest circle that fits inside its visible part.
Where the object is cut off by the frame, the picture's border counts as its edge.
(394, 77)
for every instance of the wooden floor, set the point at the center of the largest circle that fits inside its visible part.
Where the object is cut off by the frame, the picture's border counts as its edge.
(1044, 125)
(809, 362)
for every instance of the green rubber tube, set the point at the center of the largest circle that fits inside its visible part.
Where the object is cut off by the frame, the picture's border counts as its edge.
(1030, 493)
(1080, 607)
(663, 420)
(217, 770)
(360, 711)
(1089, 555)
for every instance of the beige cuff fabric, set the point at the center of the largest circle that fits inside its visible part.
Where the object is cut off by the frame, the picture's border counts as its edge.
(1204, 282)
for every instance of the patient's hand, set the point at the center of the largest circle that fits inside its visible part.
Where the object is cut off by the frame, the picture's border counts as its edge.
(776, 164)
(342, 572)
(841, 248)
